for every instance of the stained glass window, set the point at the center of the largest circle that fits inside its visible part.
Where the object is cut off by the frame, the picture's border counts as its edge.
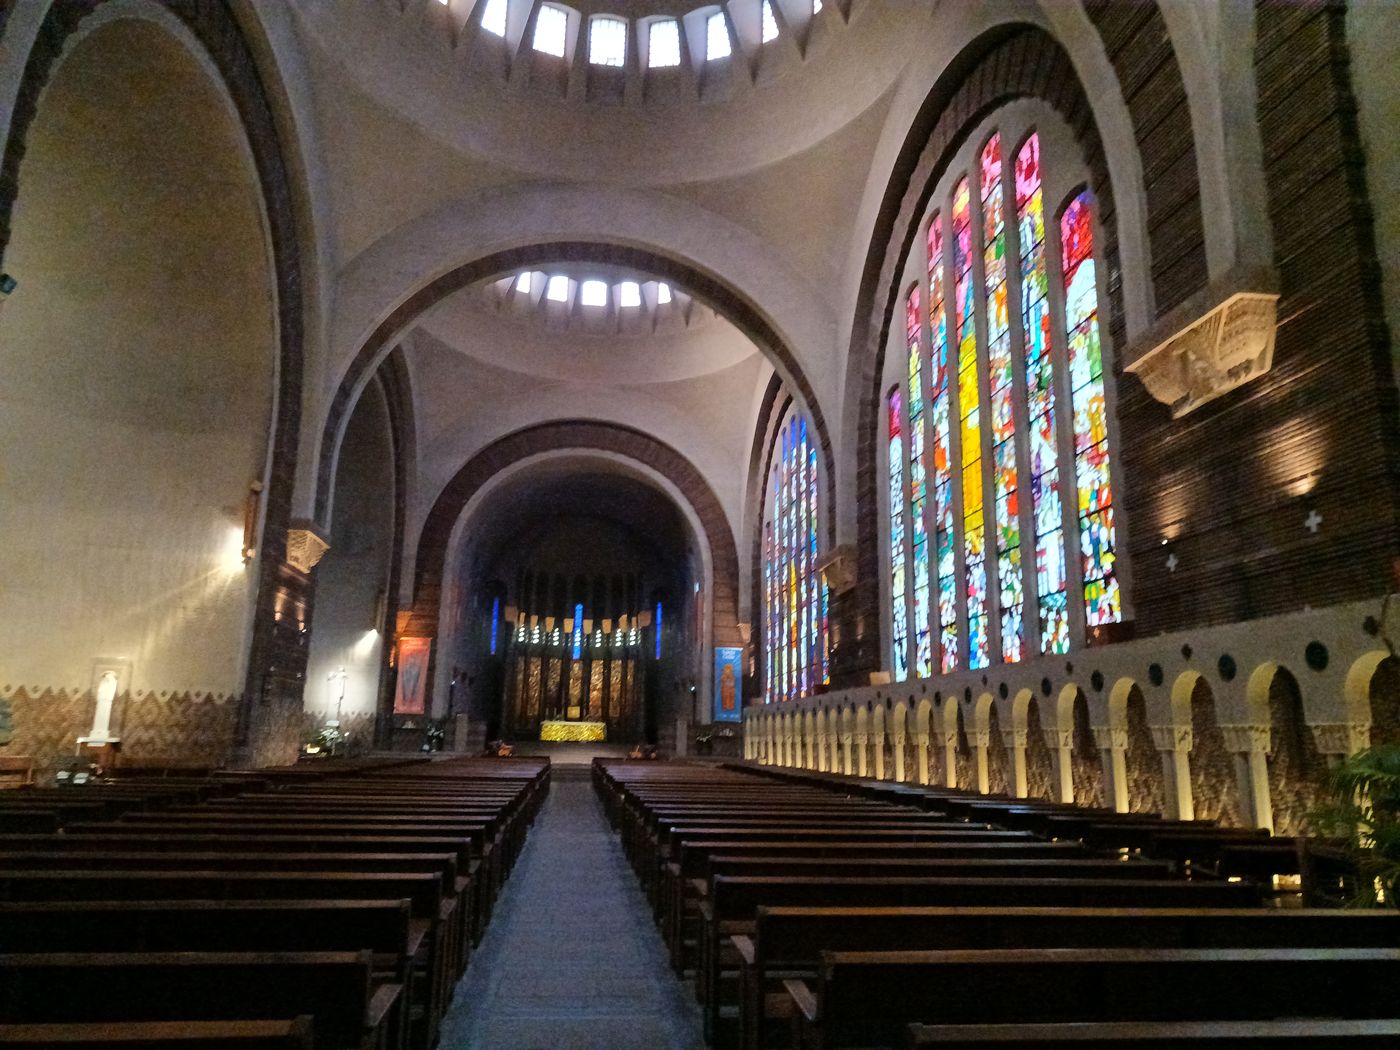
(970, 415)
(795, 644)
(1046, 509)
(657, 630)
(941, 461)
(1097, 541)
(974, 568)
(495, 622)
(898, 597)
(918, 492)
(1006, 510)
(578, 632)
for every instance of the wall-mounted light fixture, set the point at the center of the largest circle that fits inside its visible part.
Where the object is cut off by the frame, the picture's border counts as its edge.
(252, 505)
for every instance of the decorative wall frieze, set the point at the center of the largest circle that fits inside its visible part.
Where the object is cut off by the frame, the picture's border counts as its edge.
(1172, 738)
(1213, 343)
(1341, 738)
(306, 545)
(1248, 739)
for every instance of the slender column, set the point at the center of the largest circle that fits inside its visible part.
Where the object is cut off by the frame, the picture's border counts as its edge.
(1061, 744)
(984, 779)
(899, 770)
(1250, 745)
(921, 741)
(861, 740)
(950, 758)
(1017, 740)
(1175, 743)
(877, 741)
(1113, 748)
(846, 741)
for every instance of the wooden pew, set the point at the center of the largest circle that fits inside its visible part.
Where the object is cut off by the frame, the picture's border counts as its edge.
(161, 1035)
(865, 999)
(335, 988)
(1176, 1035)
(788, 942)
(734, 901)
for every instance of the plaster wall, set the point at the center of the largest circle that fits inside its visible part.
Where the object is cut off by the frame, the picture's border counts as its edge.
(136, 383)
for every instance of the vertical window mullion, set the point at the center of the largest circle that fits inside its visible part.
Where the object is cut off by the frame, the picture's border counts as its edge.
(1064, 443)
(921, 660)
(943, 475)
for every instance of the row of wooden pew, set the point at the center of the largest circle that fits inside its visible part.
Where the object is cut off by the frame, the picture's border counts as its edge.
(823, 912)
(330, 905)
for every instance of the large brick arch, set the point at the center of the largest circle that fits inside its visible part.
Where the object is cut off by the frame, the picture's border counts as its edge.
(1004, 64)
(277, 658)
(576, 435)
(711, 290)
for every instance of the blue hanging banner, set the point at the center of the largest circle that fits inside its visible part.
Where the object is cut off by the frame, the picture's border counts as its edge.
(729, 684)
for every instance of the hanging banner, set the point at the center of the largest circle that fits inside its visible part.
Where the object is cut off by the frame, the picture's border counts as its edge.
(413, 675)
(729, 677)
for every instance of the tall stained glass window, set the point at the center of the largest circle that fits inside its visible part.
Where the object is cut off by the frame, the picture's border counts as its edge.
(918, 488)
(1046, 510)
(795, 654)
(1011, 593)
(1040, 408)
(941, 462)
(898, 593)
(1097, 545)
(970, 414)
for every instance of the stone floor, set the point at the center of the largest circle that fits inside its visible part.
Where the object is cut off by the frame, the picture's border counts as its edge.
(572, 960)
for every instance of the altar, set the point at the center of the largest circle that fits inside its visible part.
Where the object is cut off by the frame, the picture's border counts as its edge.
(558, 730)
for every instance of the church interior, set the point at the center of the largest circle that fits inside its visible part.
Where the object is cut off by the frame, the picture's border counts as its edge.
(664, 524)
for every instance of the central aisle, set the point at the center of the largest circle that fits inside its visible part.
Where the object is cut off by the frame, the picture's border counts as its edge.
(572, 959)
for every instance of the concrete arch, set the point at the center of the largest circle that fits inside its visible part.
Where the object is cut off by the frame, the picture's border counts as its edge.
(899, 740)
(922, 728)
(214, 37)
(1182, 688)
(1356, 690)
(1118, 703)
(982, 721)
(724, 265)
(1256, 692)
(947, 719)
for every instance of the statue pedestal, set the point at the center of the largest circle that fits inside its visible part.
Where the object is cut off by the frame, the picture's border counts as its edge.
(102, 753)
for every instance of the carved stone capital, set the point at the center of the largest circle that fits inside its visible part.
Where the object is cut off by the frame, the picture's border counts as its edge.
(949, 737)
(982, 738)
(1111, 738)
(306, 546)
(1341, 738)
(1017, 738)
(1173, 738)
(1058, 739)
(1215, 342)
(1248, 739)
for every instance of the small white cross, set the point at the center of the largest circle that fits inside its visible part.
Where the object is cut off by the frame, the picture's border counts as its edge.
(1172, 562)
(1313, 521)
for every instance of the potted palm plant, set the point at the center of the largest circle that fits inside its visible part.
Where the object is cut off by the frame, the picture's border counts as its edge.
(1363, 816)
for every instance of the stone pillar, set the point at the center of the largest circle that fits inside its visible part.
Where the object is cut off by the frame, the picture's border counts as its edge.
(1174, 744)
(1113, 749)
(982, 741)
(899, 770)
(877, 741)
(1061, 745)
(921, 744)
(1016, 741)
(846, 742)
(1250, 746)
(950, 758)
(861, 740)
(821, 748)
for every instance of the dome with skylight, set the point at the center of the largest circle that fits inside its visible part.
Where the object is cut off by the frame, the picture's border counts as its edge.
(685, 90)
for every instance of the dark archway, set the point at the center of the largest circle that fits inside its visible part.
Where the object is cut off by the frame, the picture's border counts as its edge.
(423, 619)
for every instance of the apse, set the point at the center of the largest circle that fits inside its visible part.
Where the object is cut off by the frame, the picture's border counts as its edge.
(575, 605)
